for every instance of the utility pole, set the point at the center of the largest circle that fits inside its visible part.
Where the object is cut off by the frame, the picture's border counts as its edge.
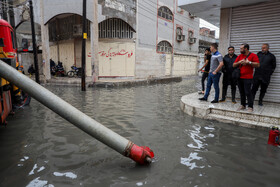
(4, 10)
(84, 45)
(8, 11)
(34, 43)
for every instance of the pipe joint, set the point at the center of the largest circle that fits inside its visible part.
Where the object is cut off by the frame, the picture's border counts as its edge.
(142, 155)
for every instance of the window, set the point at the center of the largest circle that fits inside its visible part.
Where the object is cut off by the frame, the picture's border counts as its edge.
(13, 40)
(115, 28)
(190, 34)
(164, 47)
(2, 42)
(24, 44)
(165, 13)
(179, 31)
(179, 34)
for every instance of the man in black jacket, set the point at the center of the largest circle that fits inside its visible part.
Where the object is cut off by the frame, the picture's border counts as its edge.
(263, 73)
(227, 70)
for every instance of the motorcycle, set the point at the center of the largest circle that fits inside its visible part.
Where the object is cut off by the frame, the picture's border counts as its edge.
(75, 72)
(60, 70)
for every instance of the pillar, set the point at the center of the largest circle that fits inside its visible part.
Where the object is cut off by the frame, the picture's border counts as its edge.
(45, 44)
(94, 42)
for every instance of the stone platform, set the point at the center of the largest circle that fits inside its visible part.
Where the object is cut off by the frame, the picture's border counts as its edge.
(111, 82)
(262, 117)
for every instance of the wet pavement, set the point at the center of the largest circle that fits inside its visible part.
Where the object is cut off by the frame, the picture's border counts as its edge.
(38, 148)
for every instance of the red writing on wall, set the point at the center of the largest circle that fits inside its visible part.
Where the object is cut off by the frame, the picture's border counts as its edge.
(113, 54)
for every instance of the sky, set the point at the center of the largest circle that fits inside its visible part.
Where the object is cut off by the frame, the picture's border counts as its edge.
(206, 24)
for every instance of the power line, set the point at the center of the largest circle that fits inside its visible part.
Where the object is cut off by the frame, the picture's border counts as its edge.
(10, 6)
(175, 19)
(144, 7)
(14, 6)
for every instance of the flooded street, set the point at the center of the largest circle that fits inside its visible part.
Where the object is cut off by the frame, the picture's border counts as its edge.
(39, 148)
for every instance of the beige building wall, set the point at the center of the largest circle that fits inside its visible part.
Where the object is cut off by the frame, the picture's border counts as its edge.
(184, 65)
(116, 59)
(53, 53)
(168, 65)
(66, 54)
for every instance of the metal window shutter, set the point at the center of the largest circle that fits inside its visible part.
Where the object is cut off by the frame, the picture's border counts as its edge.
(255, 25)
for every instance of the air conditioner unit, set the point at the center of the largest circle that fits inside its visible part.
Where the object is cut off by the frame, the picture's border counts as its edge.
(192, 16)
(180, 38)
(77, 30)
(192, 40)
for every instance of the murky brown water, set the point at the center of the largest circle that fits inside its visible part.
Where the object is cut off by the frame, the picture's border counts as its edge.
(38, 148)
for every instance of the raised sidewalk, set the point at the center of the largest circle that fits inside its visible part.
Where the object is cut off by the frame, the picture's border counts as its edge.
(112, 82)
(262, 117)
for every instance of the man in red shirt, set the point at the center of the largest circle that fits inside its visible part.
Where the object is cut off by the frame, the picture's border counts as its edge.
(246, 62)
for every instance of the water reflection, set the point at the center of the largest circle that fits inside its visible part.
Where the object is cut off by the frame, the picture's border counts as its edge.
(39, 183)
(67, 174)
(190, 161)
(38, 148)
(198, 145)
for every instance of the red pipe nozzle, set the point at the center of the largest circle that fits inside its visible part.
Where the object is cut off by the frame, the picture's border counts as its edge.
(142, 155)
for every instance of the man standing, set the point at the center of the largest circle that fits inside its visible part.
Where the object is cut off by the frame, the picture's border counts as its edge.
(216, 65)
(246, 62)
(227, 70)
(262, 75)
(206, 66)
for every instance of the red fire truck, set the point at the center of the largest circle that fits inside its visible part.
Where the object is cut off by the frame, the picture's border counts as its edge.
(8, 54)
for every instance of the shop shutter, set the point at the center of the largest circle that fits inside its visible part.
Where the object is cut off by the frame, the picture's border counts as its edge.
(255, 25)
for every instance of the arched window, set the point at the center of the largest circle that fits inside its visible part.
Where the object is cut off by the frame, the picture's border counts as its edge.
(165, 13)
(115, 28)
(164, 47)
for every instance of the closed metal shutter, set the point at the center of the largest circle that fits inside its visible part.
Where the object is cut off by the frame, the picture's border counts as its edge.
(255, 25)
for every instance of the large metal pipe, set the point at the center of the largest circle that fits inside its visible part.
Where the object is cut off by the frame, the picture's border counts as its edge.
(141, 155)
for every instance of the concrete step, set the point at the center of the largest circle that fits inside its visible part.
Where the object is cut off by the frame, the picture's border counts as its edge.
(243, 115)
(239, 121)
(263, 116)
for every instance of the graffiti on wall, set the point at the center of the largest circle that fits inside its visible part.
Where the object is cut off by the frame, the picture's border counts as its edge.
(114, 54)
(108, 54)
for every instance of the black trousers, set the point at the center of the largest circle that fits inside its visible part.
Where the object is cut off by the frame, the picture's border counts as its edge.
(228, 80)
(204, 76)
(245, 86)
(256, 84)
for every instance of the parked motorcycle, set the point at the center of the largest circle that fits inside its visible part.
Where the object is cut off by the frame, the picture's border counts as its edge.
(60, 70)
(75, 72)
(52, 67)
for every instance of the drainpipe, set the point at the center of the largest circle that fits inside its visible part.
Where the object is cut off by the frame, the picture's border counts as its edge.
(141, 155)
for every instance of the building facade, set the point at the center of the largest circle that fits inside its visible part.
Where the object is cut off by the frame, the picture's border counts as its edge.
(129, 38)
(167, 41)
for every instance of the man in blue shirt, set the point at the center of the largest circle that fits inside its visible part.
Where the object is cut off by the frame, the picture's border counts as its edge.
(214, 73)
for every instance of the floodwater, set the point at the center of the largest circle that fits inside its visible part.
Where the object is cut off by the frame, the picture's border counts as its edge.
(39, 148)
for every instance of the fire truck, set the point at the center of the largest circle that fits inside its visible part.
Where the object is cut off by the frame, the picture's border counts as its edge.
(8, 53)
